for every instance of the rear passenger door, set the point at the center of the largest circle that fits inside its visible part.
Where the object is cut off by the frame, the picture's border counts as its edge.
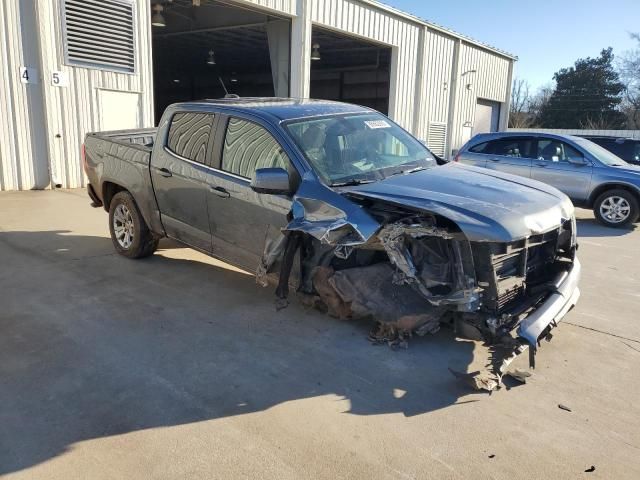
(511, 155)
(181, 173)
(242, 220)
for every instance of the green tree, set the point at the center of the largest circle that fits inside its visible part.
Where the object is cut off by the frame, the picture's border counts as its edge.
(587, 95)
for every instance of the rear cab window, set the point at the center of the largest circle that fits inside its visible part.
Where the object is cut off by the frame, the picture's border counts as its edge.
(248, 147)
(189, 135)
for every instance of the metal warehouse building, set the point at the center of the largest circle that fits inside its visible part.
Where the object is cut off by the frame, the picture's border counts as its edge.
(74, 66)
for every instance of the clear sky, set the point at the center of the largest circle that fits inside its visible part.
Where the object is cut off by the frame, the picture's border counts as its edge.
(546, 35)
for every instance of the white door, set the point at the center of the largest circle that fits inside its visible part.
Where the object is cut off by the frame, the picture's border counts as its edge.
(487, 117)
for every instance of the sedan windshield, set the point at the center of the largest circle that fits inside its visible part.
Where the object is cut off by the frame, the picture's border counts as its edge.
(601, 153)
(360, 148)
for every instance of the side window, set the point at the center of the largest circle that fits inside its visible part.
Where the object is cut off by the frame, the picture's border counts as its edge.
(636, 152)
(512, 147)
(189, 135)
(556, 151)
(480, 148)
(248, 146)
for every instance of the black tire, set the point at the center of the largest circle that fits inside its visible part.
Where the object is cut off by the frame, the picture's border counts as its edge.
(605, 198)
(138, 241)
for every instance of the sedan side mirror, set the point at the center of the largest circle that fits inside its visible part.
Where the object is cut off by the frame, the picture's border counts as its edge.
(272, 181)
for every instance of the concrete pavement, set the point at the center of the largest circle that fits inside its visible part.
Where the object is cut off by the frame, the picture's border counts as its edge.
(178, 366)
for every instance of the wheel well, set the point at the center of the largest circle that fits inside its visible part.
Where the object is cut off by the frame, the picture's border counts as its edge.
(612, 186)
(109, 190)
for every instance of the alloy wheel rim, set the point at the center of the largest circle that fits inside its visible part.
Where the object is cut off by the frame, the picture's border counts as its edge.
(615, 209)
(123, 226)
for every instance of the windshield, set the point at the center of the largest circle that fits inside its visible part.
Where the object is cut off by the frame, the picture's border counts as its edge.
(359, 148)
(601, 153)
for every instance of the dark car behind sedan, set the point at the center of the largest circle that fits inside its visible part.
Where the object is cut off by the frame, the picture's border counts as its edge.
(628, 149)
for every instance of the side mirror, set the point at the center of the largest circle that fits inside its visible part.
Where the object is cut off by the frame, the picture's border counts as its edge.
(271, 181)
(577, 160)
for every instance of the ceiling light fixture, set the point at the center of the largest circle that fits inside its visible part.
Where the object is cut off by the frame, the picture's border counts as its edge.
(157, 19)
(211, 60)
(315, 53)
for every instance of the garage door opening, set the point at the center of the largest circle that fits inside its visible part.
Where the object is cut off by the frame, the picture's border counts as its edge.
(350, 70)
(207, 48)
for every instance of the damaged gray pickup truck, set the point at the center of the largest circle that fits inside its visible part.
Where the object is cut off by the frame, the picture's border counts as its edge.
(350, 209)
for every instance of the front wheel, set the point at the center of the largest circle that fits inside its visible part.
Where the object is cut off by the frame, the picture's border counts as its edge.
(129, 233)
(616, 208)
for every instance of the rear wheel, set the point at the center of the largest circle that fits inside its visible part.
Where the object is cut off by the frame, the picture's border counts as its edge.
(129, 233)
(616, 208)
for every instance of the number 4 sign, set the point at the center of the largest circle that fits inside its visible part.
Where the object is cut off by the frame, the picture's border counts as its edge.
(59, 79)
(28, 75)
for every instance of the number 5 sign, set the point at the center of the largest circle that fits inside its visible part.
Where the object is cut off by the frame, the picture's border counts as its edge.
(59, 79)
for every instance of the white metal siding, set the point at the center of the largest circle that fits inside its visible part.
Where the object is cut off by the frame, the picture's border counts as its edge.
(438, 67)
(23, 164)
(32, 116)
(74, 111)
(287, 7)
(489, 82)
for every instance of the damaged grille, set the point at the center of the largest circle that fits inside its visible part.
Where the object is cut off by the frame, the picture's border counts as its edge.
(506, 270)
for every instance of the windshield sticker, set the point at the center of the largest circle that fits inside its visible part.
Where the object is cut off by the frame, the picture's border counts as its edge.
(373, 124)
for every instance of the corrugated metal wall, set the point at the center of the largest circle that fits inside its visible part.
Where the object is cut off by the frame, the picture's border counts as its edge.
(282, 6)
(23, 162)
(45, 125)
(490, 81)
(73, 111)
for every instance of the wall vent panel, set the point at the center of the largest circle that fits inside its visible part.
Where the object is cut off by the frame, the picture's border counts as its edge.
(100, 34)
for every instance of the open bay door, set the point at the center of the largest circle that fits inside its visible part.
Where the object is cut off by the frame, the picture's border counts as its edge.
(207, 49)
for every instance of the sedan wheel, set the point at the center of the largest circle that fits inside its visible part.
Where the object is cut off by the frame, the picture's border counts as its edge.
(615, 209)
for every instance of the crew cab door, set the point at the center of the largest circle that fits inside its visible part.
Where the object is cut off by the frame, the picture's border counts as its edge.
(562, 166)
(240, 219)
(181, 175)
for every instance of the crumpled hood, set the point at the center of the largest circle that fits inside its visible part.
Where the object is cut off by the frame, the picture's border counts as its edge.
(485, 204)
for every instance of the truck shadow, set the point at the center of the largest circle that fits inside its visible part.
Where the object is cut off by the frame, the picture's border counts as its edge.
(95, 345)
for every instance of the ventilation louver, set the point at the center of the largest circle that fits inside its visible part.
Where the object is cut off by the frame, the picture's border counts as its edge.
(100, 34)
(437, 140)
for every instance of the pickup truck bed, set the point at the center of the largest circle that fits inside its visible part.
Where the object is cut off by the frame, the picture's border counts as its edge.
(125, 158)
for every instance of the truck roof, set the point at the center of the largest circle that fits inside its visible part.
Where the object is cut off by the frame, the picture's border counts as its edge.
(281, 108)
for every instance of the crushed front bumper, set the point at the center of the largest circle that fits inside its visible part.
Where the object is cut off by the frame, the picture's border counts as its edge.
(564, 296)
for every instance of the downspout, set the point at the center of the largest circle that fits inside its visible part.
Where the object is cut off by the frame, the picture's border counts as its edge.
(419, 112)
(505, 114)
(453, 97)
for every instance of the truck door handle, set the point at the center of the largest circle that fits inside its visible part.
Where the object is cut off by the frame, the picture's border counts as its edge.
(219, 191)
(494, 159)
(541, 165)
(165, 172)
